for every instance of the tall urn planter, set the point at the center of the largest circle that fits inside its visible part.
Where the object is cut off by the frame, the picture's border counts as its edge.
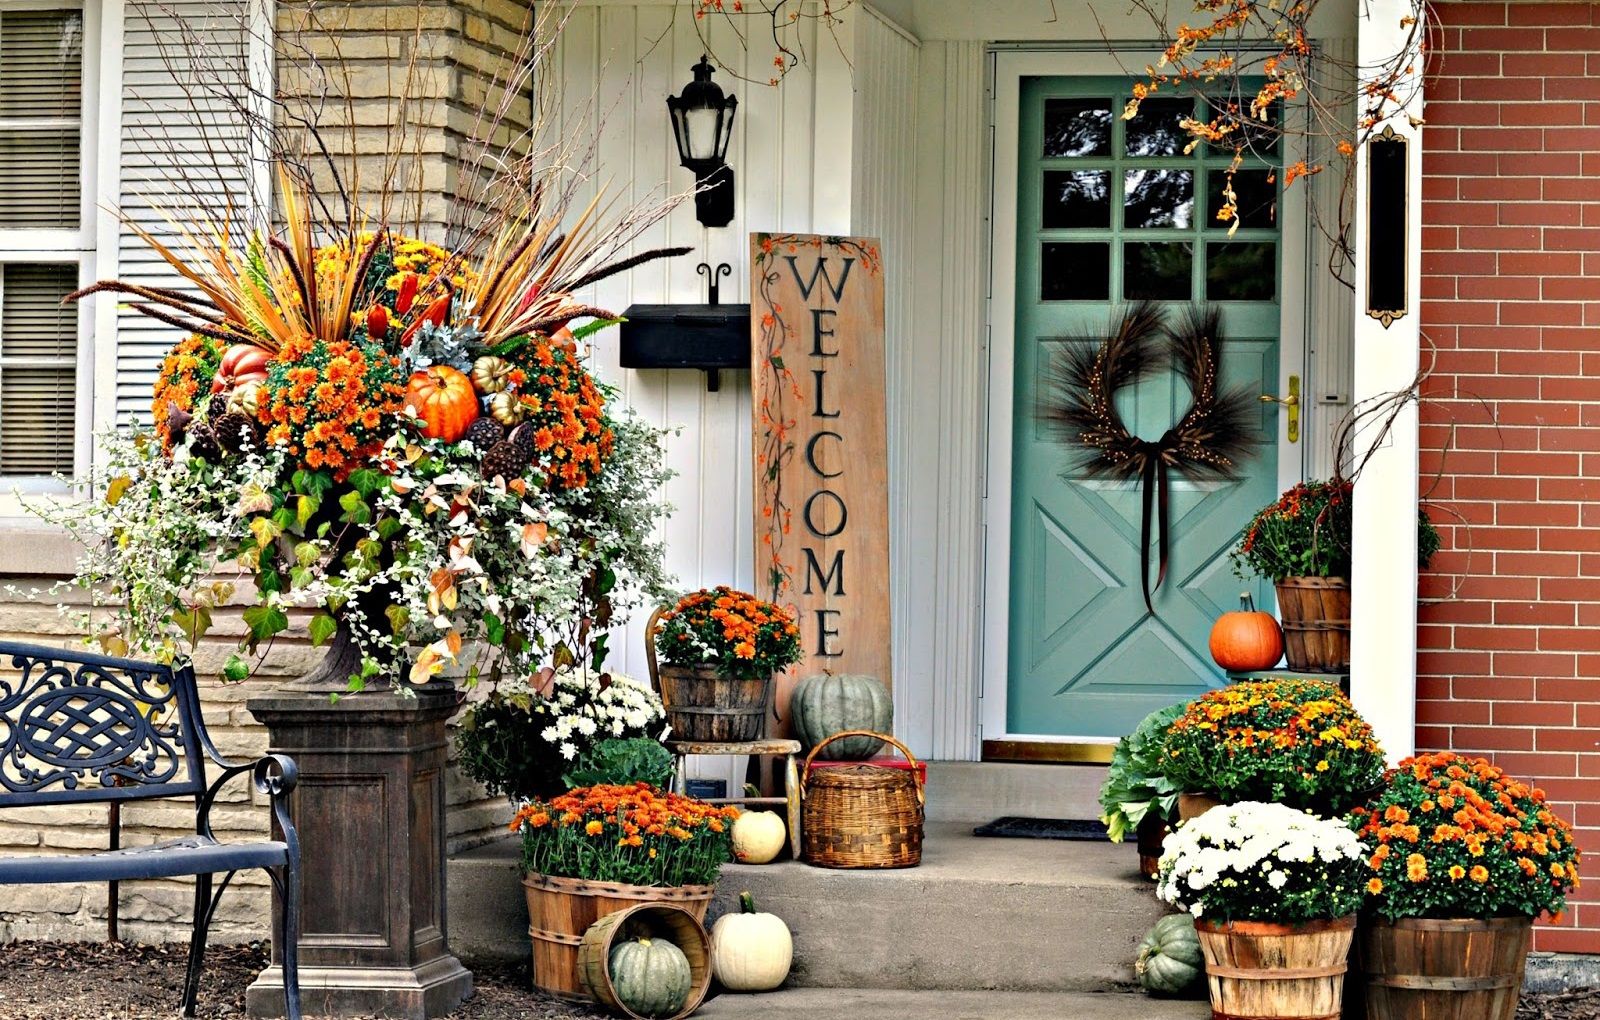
(371, 813)
(1444, 969)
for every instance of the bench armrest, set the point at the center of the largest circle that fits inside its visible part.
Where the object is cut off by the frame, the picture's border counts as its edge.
(274, 775)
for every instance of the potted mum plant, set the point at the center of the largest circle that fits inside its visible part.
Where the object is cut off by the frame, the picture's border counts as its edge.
(1463, 859)
(1274, 892)
(526, 737)
(713, 657)
(1296, 742)
(1301, 542)
(599, 849)
(1137, 794)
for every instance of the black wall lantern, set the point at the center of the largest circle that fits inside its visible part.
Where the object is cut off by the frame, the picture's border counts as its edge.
(702, 123)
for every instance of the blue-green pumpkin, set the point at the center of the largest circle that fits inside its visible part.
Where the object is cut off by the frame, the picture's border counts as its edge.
(829, 703)
(650, 976)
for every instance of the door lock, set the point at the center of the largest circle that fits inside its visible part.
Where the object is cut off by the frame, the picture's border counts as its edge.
(1291, 404)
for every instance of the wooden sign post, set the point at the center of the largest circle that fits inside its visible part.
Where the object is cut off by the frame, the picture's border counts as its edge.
(821, 449)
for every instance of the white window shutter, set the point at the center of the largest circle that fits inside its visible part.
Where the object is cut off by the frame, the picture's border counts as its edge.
(38, 357)
(41, 97)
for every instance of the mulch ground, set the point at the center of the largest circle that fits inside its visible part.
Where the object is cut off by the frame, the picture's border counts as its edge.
(118, 981)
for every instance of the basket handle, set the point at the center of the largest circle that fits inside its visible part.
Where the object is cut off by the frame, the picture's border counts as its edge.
(916, 775)
(650, 653)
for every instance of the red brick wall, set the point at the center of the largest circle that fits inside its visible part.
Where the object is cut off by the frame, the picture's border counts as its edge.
(1509, 660)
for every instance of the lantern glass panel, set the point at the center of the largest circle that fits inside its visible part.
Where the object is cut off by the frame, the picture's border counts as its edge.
(700, 129)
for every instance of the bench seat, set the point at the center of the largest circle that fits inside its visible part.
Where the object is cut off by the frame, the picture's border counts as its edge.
(188, 855)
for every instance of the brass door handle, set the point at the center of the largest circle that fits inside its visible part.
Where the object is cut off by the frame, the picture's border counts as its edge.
(1291, 404)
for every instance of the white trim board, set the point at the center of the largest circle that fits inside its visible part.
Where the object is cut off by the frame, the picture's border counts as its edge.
(1008, 67)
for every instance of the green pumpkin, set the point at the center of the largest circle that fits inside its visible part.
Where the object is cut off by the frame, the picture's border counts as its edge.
(650, 976)
(1170, 962)
(828, 703)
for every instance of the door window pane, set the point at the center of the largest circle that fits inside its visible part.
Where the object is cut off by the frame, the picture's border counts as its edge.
(1155, 130)
(1158, 198)
(1241, 271)
(1077, 127)
(1258, 136)
(1255, 194)
(1160, 271)
(1075, 271)
(1077, 198)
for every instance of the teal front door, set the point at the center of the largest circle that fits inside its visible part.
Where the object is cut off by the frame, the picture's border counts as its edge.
(1108, 212)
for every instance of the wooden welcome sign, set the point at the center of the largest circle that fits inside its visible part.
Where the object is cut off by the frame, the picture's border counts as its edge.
(821, 449)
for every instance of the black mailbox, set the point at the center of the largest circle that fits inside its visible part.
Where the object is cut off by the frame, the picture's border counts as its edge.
(709, 337)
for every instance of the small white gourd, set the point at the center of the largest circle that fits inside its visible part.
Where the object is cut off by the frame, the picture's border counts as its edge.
(758, 837)
(750, 952)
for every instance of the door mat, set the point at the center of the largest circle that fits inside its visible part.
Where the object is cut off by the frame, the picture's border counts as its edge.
(1017, 827)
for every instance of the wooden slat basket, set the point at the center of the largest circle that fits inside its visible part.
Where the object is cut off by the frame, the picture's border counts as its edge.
(1262, 971)
(862, 816)
(646, 920)
(1444, 969)
(1316, 623)
(704, 706)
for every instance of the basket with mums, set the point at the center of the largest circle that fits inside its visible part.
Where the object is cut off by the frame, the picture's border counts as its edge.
(399, 438)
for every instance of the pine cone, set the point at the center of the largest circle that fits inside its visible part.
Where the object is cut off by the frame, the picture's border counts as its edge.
(218, 406)
(484, 432)
(504, 460)
(233, 431)
(522, 438)
(203, 443)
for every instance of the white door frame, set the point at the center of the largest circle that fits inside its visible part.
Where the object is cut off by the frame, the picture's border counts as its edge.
(1007, 68)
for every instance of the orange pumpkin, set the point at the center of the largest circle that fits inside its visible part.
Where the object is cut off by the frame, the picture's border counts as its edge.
(241, 363)
(1247, 639)
(444, 398)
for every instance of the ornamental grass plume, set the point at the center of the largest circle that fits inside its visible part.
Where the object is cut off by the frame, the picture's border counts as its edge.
(636, 835)
(1455, 837)
(1297, 742)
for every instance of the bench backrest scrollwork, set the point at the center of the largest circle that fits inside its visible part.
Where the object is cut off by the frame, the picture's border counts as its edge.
(76, 726)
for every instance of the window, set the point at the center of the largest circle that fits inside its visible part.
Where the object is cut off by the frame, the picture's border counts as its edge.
(46, 236)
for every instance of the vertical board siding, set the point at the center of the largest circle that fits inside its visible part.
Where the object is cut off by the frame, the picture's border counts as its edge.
(884, 159)
(168, 110)
(616, 65)
(1330, 358)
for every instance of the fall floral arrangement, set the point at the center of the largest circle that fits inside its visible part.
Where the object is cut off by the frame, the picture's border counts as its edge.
(1296, 742)
(1455, 837)
(635, 835)
(527, 733)
(738, 634)
(1306, 533)
(1257, 861)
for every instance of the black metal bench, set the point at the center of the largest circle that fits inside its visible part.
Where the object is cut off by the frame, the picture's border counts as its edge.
(77, 727)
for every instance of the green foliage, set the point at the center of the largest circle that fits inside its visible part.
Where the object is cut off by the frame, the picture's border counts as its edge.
(1136, 783)
(1428, 540)
(1305, 533)
(622, 763)
(1296, 742)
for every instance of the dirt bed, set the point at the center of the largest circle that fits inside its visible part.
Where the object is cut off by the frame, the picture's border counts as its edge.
(116, 981)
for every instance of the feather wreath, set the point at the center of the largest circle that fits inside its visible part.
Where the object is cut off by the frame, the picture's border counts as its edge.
(1207, 443)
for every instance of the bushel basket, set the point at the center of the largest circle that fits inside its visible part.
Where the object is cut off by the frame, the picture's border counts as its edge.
(702, 705)
(862, 815)
(1315, 612)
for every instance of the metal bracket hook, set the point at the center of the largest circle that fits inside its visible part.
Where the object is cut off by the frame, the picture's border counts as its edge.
(713, 279)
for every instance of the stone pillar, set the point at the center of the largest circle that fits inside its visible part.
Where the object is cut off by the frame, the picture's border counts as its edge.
(370, 810)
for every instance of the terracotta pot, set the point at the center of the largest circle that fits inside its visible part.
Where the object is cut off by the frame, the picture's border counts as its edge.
(1444, 969)
(1151, 831)
(1265, 971)
(561, 910)
(1193, 805)
(1316, 623)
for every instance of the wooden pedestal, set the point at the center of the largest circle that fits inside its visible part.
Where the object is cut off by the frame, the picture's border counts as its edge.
(370, 810)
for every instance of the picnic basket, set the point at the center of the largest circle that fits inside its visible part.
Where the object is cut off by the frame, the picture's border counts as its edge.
(862, 815)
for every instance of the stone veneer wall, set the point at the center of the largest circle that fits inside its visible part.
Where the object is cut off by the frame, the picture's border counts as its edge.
(460, 53)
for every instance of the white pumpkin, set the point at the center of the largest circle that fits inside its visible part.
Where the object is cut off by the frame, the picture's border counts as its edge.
(758, 837)
(750, 952)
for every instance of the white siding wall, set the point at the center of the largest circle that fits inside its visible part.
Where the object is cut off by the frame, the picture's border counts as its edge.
(159, 123)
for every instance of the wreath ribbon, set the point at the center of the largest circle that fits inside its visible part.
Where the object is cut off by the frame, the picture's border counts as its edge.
(1155, 481)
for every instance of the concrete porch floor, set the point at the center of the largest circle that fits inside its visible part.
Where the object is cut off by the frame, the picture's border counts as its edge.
(858, 1004)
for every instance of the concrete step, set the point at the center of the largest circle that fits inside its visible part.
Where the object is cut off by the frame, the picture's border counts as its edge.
(869, 1004)
(971, 791)
(1013, 914)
